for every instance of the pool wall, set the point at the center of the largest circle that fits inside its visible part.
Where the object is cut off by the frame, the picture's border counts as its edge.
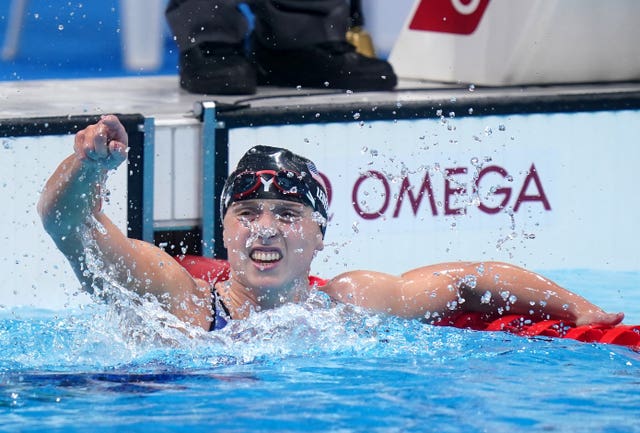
(545, 179)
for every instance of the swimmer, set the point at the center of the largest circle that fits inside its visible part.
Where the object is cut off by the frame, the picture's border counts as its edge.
(274, 209)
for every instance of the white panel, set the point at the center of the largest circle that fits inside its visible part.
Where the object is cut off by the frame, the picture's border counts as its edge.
(187, 171)
(520, 42)
(163, 175)
(576, 210)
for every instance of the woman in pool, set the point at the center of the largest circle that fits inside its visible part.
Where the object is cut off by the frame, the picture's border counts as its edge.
(275, 210)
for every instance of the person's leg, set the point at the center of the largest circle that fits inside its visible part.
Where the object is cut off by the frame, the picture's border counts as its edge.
(210, 36)
(290, 24)
(303, 42)
(195, 21)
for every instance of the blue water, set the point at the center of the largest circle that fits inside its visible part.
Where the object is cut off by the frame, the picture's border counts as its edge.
(312, 368)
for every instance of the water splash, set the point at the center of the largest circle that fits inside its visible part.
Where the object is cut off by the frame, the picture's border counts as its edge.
(139, 336)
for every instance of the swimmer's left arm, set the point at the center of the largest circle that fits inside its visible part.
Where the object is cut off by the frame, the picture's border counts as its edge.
(438, 291)
(428, 292)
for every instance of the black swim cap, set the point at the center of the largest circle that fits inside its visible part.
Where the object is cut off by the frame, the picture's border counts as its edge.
(266, 172)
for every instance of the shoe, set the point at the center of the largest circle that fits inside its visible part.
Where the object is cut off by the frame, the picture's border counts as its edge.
(217, 69)
(333, 65)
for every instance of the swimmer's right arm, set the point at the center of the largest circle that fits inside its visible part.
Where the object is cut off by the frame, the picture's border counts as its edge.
(72, 193)
(71, 203)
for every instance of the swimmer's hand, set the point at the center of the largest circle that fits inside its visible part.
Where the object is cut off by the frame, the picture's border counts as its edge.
(103, 144)
(599, 318)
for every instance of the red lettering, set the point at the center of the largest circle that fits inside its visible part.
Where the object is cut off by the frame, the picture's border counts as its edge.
(425, 188)
(354, 195)
(453, 191)
(541, 196)
(453, 188)
(449, 16)
(505, 191)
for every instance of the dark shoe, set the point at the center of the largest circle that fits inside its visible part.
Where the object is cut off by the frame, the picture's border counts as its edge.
(333, 65)
(217, 69)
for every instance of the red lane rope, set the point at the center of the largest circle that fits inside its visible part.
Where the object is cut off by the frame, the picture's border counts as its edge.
(622, 335)
(213, 270)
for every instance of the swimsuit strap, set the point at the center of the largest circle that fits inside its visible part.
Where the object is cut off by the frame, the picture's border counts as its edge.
(221, 315)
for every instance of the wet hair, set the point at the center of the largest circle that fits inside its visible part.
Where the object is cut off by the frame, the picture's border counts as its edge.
(293, 178)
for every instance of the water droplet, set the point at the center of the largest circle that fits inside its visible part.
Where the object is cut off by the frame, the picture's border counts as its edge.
(486, 297)
(356, 116)
(472, 87)
(60, 27)
(470, 281)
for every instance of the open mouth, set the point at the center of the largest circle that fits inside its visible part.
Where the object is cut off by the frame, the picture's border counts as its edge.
(265, 256)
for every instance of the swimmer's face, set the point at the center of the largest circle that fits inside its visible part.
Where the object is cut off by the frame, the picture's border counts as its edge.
(271, 243)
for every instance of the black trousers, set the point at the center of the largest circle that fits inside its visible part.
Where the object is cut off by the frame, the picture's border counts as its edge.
(279, 24)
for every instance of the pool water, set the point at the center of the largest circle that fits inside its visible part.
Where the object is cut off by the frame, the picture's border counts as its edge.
(313, 367)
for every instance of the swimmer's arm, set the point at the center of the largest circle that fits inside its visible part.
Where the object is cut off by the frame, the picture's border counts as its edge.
(70, 204)
(442, 290)
(71, 196)
(146, 269)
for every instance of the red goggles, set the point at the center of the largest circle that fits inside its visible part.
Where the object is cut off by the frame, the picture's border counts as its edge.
(287, 182)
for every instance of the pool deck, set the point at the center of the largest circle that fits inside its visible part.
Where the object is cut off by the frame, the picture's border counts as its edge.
(162, 98)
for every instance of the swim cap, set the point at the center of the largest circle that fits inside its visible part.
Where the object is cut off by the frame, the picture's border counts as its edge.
(266, 172)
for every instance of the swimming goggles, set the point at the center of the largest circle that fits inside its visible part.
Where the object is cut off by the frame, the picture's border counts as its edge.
(287, 182)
